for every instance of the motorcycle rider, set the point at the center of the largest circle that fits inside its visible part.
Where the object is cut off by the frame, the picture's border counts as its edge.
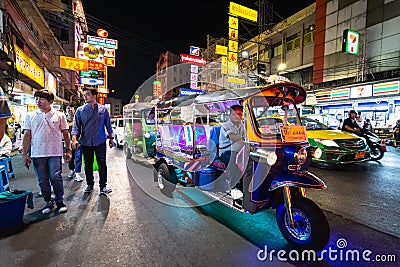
(396, 133)
(350, 124)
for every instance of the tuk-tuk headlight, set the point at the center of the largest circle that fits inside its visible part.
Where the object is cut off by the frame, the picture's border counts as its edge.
(147, 135)
(270, 156)
(301, 156)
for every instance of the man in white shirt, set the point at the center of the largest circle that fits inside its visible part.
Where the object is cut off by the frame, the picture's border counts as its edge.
(44, 130)
(5, 147)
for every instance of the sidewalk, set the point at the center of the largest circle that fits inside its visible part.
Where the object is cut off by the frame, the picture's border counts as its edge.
(26, 180)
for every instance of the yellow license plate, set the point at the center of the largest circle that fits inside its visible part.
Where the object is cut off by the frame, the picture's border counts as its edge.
(360, 155)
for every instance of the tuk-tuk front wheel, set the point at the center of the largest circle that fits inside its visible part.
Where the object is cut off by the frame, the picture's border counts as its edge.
(311, 228)
(166, 179)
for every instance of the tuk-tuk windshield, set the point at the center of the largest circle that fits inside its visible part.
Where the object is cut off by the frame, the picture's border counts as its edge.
(271, 113)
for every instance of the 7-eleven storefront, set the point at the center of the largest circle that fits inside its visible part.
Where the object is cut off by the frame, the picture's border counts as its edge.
(379, 102)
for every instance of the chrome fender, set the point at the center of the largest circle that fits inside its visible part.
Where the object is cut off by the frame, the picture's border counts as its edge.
(301, 179)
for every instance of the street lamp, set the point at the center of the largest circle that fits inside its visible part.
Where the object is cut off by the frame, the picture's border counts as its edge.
(245, 54)
(281, 66)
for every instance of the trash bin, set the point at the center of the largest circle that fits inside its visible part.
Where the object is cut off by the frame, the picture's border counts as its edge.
(12, 207)
(207, 179)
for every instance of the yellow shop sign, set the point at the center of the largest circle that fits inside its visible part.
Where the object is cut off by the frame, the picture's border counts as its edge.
(242, 12)
(26, 66)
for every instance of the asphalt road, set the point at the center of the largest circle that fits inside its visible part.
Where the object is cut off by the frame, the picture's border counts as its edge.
(138, 226)
(368, 192)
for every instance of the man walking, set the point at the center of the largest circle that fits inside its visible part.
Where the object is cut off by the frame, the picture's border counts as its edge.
(43, 132)
(75, 164)
(90, 124)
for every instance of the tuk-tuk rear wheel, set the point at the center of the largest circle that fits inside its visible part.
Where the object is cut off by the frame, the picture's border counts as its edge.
(311, 228)
(166, 179)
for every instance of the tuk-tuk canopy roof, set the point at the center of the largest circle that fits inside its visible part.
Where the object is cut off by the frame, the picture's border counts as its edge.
(177, 101)
(139, 106)
(295, 91)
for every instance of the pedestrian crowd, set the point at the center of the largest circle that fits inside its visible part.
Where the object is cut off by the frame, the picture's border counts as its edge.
(49, 136)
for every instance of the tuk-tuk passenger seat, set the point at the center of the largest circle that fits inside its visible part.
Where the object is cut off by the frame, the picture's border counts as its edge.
(213, 146)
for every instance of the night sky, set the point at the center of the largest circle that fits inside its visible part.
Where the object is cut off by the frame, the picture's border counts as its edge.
(143, 32)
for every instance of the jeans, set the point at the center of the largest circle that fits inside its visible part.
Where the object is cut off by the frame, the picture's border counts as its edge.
(88, 156)
(75, 164)
(49, 172)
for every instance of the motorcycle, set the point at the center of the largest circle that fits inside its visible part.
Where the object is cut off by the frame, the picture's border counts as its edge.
(374, 143)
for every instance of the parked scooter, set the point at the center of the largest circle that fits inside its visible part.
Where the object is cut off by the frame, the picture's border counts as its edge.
(374, 143)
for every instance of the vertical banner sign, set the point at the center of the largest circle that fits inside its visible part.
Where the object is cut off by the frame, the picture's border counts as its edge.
(194, 51)
(232, 49)
(194, 70)
(157, 89)
(237, 11)
(224, 65)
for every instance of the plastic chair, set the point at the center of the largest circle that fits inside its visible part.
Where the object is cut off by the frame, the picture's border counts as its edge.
(7, 162)
(4, 184)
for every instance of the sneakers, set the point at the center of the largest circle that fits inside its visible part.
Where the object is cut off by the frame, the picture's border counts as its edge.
(105, 191)
(61, 207)
(48, 208)
(89, 189)
(71, 174)
(78, 177)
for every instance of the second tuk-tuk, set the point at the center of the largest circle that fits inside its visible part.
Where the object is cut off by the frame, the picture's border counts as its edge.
(139, 131)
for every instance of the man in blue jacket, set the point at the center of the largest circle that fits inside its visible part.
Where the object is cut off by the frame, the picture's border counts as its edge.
(90, 124)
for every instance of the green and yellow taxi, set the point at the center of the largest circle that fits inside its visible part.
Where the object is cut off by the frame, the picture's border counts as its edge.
(334, 147)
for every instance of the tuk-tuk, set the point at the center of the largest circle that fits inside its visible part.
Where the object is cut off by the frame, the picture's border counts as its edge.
(139, 131)
(273, 161)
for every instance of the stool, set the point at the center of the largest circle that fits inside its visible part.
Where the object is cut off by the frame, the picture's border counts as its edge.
(4, 185)
(7, 162)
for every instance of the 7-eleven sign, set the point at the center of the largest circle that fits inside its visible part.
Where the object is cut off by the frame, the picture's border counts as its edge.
(351, 42)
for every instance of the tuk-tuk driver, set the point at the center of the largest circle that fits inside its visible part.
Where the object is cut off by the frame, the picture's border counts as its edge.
(231, 141)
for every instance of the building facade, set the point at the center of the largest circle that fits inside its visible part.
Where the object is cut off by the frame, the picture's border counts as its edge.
(33, 36)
